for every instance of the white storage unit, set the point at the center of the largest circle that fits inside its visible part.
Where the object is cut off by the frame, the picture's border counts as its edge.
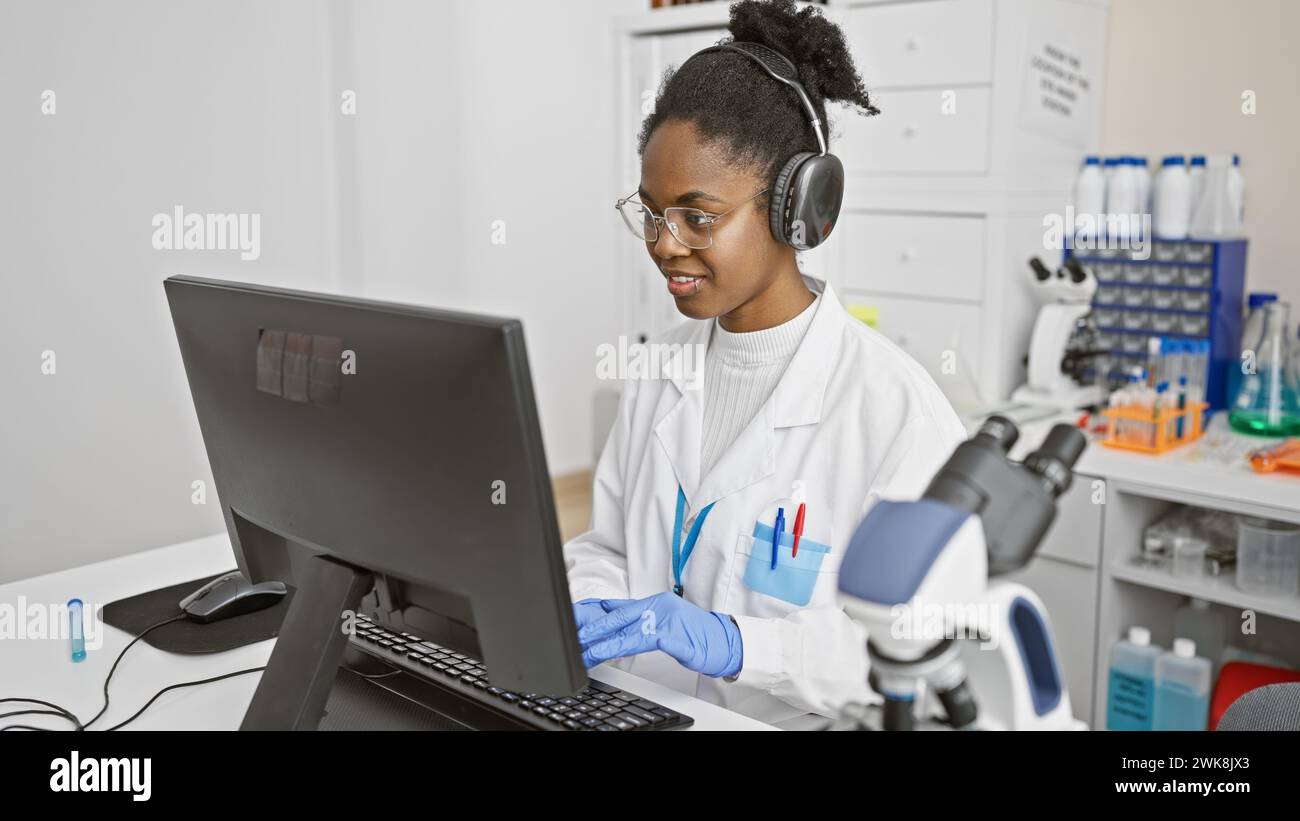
(947, 188)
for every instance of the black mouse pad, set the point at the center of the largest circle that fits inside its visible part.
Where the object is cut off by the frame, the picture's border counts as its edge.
(137, 613)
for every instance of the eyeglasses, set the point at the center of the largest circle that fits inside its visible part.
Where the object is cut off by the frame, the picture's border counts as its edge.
(689, 226)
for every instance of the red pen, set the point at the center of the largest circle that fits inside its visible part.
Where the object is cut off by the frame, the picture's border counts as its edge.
(798, 530)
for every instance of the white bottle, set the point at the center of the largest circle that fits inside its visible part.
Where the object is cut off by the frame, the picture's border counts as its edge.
(1237, 187)
(1143, 185)
(1196, 173)
(1108, 166)
(1205, 626)
(1215, 216)
(1089, 197)
(1182, 689)
(1121, 198)
(1172, 199)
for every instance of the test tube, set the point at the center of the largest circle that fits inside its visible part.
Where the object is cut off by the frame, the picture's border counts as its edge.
(1157, 411)
(1199, 361)
(76, 629)
(1154, 353)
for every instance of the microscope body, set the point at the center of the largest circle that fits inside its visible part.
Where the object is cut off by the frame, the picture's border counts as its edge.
(917, 575)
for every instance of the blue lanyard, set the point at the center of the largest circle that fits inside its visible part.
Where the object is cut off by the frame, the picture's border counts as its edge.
(680, 555)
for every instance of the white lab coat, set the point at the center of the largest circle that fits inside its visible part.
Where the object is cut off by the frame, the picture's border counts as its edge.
(853, 417)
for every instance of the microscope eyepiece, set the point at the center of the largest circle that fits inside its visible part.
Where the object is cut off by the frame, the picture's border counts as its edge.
(1055, 458)
(1001, 430)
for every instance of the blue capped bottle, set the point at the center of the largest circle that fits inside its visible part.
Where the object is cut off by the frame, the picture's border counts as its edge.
(1130, 695)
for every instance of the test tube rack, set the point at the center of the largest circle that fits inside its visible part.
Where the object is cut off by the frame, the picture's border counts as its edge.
(1178, 288)
(1148, 431)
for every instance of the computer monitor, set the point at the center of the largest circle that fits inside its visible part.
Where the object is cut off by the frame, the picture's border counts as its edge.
(385, 451)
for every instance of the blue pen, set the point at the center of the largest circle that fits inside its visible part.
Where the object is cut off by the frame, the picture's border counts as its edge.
(776, 534)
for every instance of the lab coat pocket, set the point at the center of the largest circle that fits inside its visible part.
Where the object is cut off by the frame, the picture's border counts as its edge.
(795, 577)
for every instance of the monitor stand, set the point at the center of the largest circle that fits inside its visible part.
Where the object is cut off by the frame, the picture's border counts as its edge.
(300, 673)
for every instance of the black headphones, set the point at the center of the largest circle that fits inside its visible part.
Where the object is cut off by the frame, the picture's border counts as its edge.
(809, 189)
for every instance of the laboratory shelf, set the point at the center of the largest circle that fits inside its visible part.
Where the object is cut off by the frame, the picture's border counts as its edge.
(1217, 589)
(1179, 476)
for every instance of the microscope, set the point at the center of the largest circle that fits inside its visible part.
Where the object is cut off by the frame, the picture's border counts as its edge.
(1060, 348)
(919, 576)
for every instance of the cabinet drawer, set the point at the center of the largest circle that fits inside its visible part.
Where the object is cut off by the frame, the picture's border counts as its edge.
(914, 255)
(914, 134)
(922, 44)
(934, 334)
(1075, 535)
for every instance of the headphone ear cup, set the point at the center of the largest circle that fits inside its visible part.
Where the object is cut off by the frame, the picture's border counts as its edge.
(778, 211)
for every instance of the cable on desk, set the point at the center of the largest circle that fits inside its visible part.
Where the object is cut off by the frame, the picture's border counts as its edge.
(113, 669)
(58, 711)
(68, 713)
(184, 684)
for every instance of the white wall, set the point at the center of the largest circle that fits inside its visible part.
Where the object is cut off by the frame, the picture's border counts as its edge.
(1176, 71)
(515, 122)
(467, 113)
(217, 107)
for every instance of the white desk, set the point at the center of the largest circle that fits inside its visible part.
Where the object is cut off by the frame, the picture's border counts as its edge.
(41, 668)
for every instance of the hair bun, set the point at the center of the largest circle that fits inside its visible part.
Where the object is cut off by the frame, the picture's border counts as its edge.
(814, 44)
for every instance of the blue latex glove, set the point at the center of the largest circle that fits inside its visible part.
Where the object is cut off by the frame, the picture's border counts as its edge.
(588, 610)
(700, 640)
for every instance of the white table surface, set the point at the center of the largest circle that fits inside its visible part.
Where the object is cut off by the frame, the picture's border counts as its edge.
(42, 667)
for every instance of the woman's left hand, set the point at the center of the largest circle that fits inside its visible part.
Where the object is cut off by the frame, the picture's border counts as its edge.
(700, 640)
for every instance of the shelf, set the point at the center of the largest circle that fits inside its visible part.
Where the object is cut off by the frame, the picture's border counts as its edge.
(1217, 589)
(1178, 477)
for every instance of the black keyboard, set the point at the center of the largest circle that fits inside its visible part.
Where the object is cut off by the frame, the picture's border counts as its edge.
(599, 707)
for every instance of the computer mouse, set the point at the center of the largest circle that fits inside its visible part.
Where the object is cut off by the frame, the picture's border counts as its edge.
(230, 595)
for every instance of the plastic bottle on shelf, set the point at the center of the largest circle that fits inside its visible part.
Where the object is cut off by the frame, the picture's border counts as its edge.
(1172, 199)
(1143, 171)
(1130, 694)
(1201, 623)
(1215, 215)
(1182, 689)
(1121, 197)
(1089, 197)
(1108, 166)
(1196, 175)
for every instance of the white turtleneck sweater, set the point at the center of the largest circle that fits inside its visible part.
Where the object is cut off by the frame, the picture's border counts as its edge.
(740, 372)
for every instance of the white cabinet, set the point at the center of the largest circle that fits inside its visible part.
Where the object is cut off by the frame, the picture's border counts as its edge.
(946, 354)
(928, 131)
(936, 43)
(912, 255)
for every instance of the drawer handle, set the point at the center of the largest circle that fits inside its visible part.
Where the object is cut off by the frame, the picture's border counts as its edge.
(907, 255)
(909, 131)
(911, 44)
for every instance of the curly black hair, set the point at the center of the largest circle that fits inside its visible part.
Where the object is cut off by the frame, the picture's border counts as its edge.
(733, 103)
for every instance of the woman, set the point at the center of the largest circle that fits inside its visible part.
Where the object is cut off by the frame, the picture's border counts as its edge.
(805, 415)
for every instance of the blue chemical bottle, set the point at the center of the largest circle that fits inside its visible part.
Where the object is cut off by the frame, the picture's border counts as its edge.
(1182, 689)
(1130, 696)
